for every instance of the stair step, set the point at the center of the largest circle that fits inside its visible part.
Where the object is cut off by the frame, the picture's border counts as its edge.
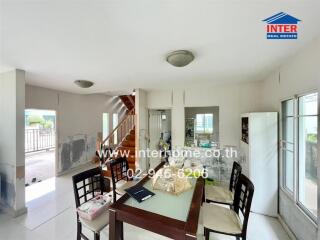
(127, 102)
(106, 173)
(130, 137)
(132, 166)
(125, 151)
(131, 159)
(128, 143)
(126, 148)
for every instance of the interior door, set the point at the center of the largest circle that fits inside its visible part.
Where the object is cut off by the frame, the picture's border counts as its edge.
(154, 136)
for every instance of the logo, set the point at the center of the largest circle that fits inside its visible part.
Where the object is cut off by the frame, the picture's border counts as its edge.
(282, 26)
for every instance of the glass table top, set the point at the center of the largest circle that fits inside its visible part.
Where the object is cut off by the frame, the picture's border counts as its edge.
(166, 204)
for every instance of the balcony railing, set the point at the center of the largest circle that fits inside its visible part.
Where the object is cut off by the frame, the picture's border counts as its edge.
(39, 139)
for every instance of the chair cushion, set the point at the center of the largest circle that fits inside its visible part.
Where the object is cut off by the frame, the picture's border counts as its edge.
(218, 194)
(94, 207)
(220, 219)
(98, 223)
(124, 185)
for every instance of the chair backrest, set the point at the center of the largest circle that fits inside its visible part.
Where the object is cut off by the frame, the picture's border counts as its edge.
(243, 199)
(235, 173)
(119, 169)
(86, 184)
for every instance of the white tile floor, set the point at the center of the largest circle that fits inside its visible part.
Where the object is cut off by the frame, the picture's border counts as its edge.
(52, 217)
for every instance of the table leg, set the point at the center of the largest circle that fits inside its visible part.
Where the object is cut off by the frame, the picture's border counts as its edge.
(115, 226)
(203, 195)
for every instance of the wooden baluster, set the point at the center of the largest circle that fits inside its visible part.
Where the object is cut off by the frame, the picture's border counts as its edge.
(125, 126)
(122, 133)
(117, 140)
(129, 124)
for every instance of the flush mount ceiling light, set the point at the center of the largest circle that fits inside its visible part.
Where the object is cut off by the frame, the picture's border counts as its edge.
(84, 83)
(180, 58)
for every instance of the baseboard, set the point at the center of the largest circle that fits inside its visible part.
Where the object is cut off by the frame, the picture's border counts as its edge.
(286, 228)
(88, 164)
(13, 212)
(19, 212)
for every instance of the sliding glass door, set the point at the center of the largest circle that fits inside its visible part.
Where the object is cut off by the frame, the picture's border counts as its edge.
(299, 151)
(307, 156)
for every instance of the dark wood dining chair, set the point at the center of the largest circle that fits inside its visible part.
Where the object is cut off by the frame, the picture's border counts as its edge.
(87, 185)
(227, 221)
(119, 173)
(224, 195)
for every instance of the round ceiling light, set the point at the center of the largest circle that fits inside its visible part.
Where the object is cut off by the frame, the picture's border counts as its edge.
(180, 58)
(84, 83)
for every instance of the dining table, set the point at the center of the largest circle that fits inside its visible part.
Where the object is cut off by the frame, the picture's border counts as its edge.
(170, 215)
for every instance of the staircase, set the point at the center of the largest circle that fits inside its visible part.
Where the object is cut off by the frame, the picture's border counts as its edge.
(128, 101)
(122, 139)
(128, 146)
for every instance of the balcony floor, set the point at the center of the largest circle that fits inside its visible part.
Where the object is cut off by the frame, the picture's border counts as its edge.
(40, 165)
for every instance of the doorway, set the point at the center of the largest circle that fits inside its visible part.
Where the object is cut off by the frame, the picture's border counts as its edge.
(159, 134)
(40, 145)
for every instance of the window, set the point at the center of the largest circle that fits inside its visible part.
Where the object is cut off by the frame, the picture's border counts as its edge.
(287, 143)
(204, 123)
(299, 150)
(307, 156)
(114, 125)
(105, 125)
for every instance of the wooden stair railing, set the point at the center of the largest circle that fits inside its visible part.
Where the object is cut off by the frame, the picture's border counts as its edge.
(119, 133)
(121, 130)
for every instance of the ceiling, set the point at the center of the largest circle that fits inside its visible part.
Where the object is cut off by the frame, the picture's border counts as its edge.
(122, 44)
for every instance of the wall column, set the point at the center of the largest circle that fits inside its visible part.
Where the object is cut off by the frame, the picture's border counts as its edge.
(12, 159)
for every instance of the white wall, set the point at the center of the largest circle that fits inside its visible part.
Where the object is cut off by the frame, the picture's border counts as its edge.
(79, 120)
(300, 75)
(141, 127)
(232, 101)
(12, 101)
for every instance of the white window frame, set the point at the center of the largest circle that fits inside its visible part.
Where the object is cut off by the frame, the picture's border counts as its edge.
(282, 165)
(115, 122)
(204, 127)
(105, 134)
(294, 195)
(305, 210)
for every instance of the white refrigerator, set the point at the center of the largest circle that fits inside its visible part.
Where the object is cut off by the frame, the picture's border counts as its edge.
(259, 159)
